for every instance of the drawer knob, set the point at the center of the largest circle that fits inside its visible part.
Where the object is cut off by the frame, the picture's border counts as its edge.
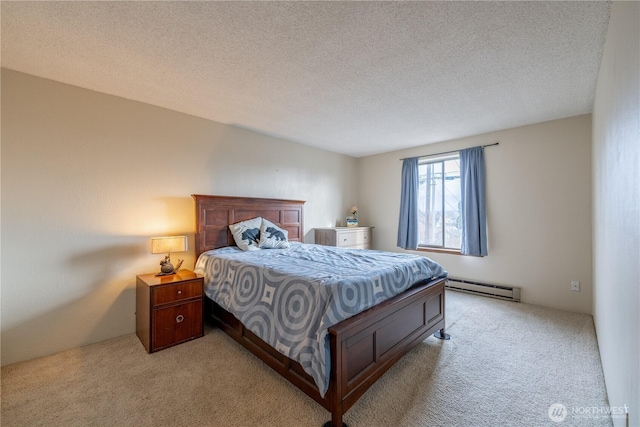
(179, 292)
(179, 318)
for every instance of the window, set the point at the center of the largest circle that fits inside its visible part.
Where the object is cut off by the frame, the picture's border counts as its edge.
(432, 196)
(439, 203)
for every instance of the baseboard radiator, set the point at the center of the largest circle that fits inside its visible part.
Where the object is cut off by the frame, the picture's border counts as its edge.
(510, 293)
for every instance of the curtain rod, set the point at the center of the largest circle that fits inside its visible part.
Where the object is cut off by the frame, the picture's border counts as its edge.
(449, 152)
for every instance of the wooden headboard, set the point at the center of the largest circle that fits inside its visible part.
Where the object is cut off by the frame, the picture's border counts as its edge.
(215, 213)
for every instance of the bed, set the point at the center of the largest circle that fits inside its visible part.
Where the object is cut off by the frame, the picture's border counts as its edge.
(361, 348)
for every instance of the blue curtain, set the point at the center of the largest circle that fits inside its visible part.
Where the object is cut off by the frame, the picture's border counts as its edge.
(408, 224)
(474, 216)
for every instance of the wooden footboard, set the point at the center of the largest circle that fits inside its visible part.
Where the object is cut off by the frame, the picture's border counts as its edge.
(363, 347)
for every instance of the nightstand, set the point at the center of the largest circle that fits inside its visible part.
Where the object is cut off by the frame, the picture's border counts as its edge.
(168, 309)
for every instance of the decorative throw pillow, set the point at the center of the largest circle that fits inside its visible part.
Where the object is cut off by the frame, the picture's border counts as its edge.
(247, 233)
(272, 236)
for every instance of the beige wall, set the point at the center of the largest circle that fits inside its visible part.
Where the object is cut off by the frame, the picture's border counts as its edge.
(87, 178)
(616, 209)
(538, 209)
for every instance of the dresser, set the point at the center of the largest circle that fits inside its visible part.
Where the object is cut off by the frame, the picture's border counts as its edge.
(345, 237)
(168, 309)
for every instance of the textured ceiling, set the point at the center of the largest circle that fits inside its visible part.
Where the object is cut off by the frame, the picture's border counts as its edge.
(352, 77)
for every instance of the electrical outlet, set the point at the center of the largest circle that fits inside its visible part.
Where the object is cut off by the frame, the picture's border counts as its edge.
(575, 286)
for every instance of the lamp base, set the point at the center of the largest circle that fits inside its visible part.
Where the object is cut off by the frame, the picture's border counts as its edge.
(166, 274)
(167, 268)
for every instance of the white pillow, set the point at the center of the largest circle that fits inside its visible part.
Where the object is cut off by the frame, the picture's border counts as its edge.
(272, 236)
(247, 233)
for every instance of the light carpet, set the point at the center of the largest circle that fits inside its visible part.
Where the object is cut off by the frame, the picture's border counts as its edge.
(505, 365)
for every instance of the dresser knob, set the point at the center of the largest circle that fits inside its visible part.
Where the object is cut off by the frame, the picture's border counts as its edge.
(180, 318)
(179, 292)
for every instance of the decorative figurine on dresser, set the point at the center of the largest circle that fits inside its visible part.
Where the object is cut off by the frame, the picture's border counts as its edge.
(352, 220)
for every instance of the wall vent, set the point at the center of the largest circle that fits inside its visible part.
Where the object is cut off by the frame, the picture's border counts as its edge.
(510, 293)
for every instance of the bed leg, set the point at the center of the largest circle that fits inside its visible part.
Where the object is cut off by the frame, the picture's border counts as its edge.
(441, 335)
(336, 421)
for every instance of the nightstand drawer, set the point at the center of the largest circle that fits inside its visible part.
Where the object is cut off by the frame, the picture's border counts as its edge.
(177, 323)
(177, 292)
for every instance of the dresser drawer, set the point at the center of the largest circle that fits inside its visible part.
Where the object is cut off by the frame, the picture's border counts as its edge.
(177, 292)
(347, 238)
(359, 238)
(363, 238)
(176, 323)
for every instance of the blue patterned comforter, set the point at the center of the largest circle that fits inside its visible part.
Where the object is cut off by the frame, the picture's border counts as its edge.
(290, 297)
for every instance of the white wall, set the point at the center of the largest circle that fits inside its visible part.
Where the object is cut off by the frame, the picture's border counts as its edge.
(538, 209)
(87, 178)
(616, 209)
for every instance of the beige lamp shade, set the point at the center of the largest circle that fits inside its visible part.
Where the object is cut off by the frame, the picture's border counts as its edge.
(163, 245)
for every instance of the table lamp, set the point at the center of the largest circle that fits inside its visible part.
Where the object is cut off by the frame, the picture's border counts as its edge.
(161, 245)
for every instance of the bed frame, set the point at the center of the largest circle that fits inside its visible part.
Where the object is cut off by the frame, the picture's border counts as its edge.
(363, 347)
